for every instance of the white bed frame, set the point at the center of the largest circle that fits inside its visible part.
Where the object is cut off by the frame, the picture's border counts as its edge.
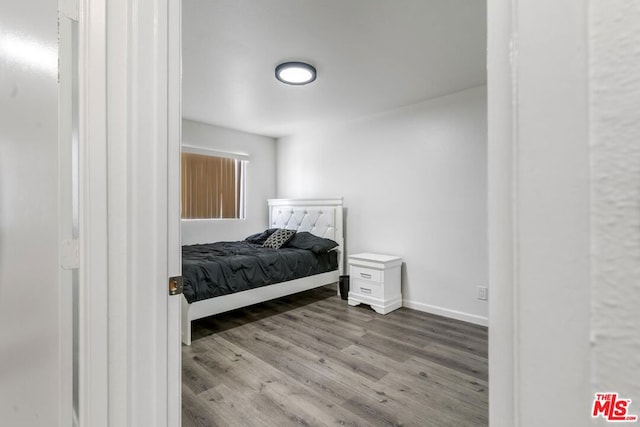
(322, 217)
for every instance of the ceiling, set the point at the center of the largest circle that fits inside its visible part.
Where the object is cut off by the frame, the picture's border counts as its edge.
(371, 56)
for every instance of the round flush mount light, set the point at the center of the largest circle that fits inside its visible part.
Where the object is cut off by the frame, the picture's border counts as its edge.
(295, 73)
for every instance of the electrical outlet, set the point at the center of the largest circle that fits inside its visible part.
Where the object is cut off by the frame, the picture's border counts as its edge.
(483, 293)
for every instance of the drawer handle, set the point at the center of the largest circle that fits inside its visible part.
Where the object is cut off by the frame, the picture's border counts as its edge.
(365, 290)
(365, 275)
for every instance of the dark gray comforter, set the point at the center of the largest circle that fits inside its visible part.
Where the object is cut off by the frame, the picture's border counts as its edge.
(221, 268)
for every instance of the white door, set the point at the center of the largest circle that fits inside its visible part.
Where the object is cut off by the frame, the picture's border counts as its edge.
(128, 207)
(35, 352)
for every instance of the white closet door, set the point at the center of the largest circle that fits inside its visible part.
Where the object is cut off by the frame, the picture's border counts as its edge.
(34, 352)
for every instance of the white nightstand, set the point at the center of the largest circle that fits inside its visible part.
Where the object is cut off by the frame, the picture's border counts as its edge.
(375, 280)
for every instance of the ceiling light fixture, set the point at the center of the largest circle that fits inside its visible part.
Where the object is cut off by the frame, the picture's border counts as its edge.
(295, 73)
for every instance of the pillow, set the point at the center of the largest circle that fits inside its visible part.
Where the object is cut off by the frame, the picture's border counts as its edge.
(260, 238)
(306, 240)
(279, 238)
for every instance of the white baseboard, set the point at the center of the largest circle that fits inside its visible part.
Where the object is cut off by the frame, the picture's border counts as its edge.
(441, 311)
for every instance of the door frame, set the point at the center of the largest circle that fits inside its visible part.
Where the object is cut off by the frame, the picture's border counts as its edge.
(129, 212)
(93, 290)
(126, 201)
(501, 111)
(174, 239)
(538, 200)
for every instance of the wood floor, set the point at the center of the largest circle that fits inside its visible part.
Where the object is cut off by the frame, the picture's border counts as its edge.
(311, 360)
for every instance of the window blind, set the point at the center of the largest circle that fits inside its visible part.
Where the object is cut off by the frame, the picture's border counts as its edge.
(212, 187)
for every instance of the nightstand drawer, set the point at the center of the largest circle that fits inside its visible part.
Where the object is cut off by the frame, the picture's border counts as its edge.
(366, 288)
(366, 274)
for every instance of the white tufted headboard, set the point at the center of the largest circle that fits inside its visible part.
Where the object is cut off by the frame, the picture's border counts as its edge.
(321, 217)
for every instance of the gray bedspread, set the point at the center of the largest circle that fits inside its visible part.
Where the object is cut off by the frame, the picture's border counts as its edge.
(221, 268)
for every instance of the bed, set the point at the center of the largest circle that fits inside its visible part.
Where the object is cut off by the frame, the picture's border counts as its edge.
(320, 217)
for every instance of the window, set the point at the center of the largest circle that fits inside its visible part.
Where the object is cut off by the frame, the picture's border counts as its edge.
(212, 187)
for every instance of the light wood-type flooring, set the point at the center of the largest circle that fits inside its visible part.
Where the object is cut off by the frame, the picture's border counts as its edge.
(312, 360)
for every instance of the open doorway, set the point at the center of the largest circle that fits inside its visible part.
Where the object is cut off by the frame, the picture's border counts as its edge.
(395, 123)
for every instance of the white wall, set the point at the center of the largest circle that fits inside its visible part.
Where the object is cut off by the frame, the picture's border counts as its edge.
(29, 377)
(260, 183)
(614, 34)
(564, 194)
(414, 185)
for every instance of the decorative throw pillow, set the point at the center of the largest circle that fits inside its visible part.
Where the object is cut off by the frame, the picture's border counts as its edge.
(260, 238)
(279, 238)
(306, 240)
